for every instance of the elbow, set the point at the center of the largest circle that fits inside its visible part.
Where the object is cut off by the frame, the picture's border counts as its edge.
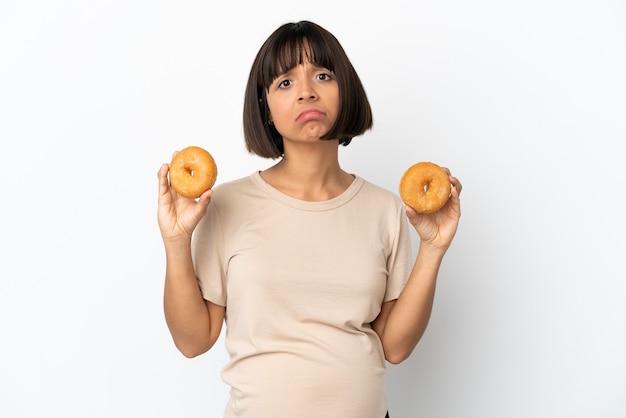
(395, 359)
(397, 356)
(192, 350)
(190, 353)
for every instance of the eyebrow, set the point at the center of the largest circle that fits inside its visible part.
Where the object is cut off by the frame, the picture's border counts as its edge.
(314, 64)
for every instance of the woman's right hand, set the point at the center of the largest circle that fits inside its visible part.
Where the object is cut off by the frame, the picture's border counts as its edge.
(178, 216)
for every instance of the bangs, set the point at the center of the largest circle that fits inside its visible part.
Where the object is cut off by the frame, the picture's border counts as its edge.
(295, 46)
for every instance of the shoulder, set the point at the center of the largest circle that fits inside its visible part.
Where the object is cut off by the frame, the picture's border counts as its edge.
(230, 185)
(233, 189)
(378, 195)
(233, 194)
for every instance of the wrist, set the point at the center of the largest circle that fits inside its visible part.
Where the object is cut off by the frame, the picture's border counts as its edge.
(177, 241)
(431, 251)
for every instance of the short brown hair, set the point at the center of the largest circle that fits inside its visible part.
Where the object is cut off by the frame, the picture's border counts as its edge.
(288, 46)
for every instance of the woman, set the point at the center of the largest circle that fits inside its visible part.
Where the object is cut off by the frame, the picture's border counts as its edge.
(309, 266)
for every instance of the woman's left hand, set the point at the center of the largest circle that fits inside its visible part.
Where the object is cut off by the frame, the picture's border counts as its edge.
(438, 228)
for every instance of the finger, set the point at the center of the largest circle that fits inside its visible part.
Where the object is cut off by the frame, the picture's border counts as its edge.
(453, 180)
(410, 212)
(206, 197)
(456, 184)
(163, 181)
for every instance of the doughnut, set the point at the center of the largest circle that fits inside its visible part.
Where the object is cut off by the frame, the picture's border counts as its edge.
(192, 172)
(425, 187)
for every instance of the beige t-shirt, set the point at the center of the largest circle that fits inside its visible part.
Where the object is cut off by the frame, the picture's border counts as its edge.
(301, 282)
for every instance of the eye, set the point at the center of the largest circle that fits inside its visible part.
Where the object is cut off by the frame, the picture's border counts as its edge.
(324, 77)
(284, 83)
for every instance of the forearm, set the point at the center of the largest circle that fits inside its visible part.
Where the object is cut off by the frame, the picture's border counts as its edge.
(410, 314)
(186, 312)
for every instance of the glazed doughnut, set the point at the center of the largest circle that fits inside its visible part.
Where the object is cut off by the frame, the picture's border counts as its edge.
(192, 172)
(425, 187)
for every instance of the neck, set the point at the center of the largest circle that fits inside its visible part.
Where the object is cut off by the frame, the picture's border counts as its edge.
(309, 173)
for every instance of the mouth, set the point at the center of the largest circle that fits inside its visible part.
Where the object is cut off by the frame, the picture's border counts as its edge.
(310, 114)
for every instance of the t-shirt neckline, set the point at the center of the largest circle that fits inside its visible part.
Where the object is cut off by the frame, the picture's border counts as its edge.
(329, 204)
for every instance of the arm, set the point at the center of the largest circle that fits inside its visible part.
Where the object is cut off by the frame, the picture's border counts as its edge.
(195, 324)
(401, 323)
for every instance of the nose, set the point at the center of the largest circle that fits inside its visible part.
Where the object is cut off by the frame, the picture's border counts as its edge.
(307, 91)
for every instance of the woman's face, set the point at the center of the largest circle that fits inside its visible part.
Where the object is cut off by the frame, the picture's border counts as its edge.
(304, 102)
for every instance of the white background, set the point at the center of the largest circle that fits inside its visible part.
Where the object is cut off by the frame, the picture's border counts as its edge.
(524, 100)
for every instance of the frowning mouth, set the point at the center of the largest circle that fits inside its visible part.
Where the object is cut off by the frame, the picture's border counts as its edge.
(310, 114)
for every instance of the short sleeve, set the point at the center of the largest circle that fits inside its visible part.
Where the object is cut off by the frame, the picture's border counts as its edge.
(208, 256)
(400, 261)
